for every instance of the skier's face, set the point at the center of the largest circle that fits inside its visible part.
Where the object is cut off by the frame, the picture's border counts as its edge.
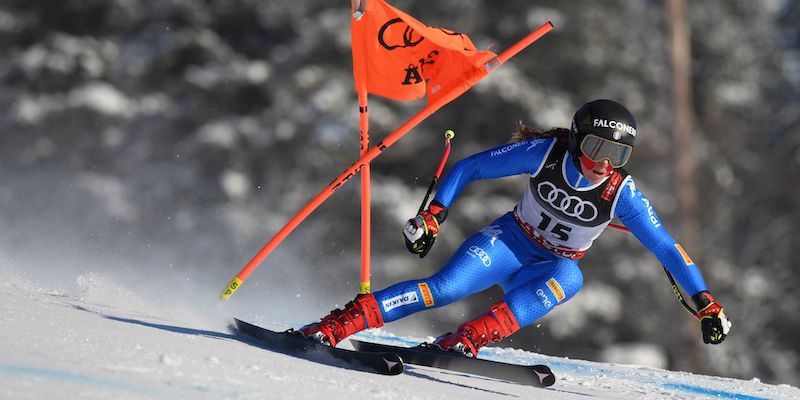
(595, 171)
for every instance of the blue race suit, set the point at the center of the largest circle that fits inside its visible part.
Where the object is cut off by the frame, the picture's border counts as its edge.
(533, 278)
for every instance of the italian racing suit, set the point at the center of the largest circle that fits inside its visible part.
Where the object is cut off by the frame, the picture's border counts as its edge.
(532, 252)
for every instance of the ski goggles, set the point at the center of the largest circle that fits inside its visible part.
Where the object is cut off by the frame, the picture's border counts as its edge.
(598, 149)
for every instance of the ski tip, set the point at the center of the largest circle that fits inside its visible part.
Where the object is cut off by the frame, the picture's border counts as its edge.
(244, 326)
(544, 375)
(394, 363)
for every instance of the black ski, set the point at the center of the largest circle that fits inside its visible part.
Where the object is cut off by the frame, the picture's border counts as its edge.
(424, 354)
(382, 362)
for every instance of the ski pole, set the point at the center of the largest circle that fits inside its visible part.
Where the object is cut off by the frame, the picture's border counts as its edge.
(448, 136)
(675, 288)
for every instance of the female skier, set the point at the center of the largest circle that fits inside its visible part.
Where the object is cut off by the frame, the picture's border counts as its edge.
(577, 186)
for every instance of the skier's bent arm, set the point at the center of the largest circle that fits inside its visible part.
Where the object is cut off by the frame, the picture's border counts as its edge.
(515, 158)
(523, 157)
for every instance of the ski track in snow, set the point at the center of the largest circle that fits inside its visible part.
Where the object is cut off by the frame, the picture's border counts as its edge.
(93, 338)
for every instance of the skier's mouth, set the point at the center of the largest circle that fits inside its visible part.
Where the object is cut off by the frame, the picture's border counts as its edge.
(599, 172)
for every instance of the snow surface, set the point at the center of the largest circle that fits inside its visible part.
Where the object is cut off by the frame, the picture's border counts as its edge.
(89, 336)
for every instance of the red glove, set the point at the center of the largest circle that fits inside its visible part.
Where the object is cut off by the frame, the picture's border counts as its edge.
(714, 324)
(420, 232)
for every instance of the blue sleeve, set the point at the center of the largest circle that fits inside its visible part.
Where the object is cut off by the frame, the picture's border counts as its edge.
(517, 158)
(636, 212)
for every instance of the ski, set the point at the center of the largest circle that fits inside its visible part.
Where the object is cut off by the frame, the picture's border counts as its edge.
(426, 355)
(381, 362)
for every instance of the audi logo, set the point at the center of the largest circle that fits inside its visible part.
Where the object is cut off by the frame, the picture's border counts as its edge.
(476, 251)
(571, 206)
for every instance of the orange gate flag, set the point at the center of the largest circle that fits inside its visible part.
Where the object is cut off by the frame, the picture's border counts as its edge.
(400, 58)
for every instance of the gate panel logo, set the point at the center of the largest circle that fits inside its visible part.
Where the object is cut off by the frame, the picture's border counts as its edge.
(410, 37)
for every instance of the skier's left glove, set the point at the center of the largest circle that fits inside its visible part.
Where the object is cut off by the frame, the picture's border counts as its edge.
(713, 322)
(420, 232)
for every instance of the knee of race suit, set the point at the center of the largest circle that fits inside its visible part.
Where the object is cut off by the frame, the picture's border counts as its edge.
(531, 301)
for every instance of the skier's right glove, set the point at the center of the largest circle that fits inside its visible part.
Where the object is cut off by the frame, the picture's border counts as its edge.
(713, 322)
(420, 232)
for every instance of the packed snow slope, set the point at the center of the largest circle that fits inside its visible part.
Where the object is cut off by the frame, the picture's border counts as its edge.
(91, 336)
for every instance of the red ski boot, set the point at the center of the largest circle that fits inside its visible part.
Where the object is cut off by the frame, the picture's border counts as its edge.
(359, 314)
(491, 327)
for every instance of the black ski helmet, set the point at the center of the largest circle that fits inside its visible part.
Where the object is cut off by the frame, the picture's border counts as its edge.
(604, 118)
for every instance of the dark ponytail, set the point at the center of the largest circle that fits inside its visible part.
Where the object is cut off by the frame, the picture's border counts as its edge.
(525, 132)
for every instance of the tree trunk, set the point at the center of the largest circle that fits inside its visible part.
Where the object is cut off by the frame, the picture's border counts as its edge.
(684, 159)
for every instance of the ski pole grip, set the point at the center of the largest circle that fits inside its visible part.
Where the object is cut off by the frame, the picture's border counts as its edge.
(448, 135)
